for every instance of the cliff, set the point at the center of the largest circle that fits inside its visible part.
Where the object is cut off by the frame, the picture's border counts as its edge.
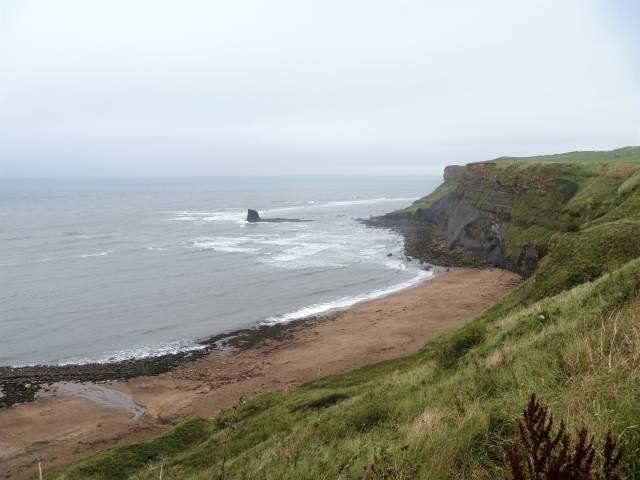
(512, 213)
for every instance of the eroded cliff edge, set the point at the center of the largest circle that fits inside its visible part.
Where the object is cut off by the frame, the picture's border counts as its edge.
(510, 212)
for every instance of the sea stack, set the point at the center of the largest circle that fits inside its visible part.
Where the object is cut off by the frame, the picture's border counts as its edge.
(253, 216)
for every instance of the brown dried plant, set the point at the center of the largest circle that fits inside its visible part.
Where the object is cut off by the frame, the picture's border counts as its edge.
(536, 454)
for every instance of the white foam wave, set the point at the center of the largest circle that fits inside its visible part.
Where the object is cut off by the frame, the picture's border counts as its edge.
(345, 302)
(200, 218)
(79, 235)
(157, 350)
(224, 244)
(56, 259)
(26, 262)
(278, 241)
(301, 251)
(99, 254)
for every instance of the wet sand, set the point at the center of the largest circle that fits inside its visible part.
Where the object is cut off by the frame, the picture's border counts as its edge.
(72, 421)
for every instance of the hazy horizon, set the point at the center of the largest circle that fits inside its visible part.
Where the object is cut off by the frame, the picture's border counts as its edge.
(231, 89)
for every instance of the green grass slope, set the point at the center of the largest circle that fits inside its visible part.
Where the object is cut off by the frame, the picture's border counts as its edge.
(573, 197)
(430, 199)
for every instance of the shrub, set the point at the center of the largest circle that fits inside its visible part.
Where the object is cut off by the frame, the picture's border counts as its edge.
(322, 402)
(536, 454)
(456, 346)
(368, 417)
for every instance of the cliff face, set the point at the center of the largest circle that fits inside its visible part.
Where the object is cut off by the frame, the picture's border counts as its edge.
(476, 215)
(508, 213)
(464, 222)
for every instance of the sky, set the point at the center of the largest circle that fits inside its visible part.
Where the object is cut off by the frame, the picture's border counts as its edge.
(136, 88)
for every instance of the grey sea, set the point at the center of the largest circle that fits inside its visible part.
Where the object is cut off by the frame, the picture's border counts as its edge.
(109, 270)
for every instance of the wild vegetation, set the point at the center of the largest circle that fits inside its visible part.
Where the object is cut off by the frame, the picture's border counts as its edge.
(538, 453)
(570, 334)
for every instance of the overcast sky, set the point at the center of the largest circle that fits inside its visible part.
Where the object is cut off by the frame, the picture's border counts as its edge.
(207, 88)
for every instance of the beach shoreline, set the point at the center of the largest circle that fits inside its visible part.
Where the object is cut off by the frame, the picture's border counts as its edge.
(65, 423)
(22, 384)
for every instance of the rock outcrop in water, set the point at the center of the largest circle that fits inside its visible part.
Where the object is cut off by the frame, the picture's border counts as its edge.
(254, 217)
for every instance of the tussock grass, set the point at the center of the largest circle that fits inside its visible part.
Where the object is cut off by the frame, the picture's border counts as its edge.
(126, 461)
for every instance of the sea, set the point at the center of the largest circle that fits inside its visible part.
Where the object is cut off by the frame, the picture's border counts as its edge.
(108, 270)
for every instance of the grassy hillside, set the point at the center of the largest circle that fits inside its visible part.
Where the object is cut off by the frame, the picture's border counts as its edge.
(570, 333)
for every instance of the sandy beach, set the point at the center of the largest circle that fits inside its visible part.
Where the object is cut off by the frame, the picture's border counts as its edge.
(70, 421)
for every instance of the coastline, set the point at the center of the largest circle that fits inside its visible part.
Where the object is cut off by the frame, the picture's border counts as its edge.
(22, 384)
(66, 423)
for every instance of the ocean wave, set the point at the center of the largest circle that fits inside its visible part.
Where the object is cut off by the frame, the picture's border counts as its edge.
(224, 244)
(148, 351)
(345, 302)
(85, 236)
(200, 218)
(99, 254)
(56, 259)
(277, 241)
(302, 250)
(26, 262)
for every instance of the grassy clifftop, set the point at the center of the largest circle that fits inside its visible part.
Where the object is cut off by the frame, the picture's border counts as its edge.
(570, 333)
(619, 155)
(513, 212)
(578, 168)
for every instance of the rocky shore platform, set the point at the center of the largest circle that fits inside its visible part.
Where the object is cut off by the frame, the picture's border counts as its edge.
(22, 384)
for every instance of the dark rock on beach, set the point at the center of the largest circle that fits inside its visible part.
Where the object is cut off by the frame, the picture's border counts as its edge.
(22, 384)
(424, 243)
